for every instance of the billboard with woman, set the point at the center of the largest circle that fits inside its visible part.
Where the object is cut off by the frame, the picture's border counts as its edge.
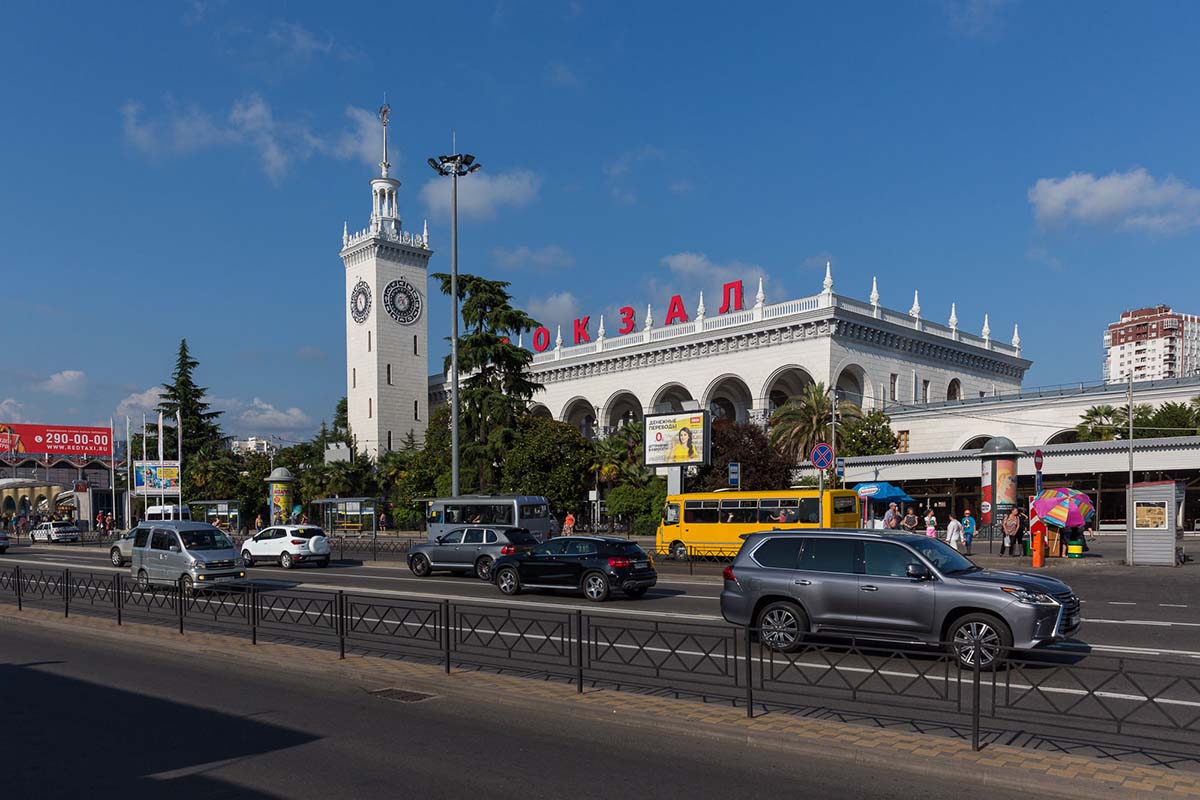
(677, 439)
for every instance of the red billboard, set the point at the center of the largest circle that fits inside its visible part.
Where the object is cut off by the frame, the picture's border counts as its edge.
(59, 440)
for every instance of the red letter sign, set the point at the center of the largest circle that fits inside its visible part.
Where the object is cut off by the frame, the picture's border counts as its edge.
(733, 292)
(581, 332)
(541, 339)
(675, 312)
(627, 321)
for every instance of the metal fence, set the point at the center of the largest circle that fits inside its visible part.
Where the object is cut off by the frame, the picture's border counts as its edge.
(1131, 699)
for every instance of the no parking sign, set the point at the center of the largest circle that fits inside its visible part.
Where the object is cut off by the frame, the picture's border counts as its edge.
(822, 456)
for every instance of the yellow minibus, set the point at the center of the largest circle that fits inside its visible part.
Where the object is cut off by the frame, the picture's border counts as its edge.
(712, 523)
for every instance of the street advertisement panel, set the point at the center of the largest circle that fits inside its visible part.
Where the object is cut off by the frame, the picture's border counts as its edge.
(987, 485)
(155, 478)
(281, 502)
(66, 440)
(1150, 515)
(1006, 486)
(677, 439)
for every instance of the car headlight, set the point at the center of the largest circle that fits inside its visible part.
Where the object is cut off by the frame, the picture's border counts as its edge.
(1030, 598)
(237, 562)
(198, 564)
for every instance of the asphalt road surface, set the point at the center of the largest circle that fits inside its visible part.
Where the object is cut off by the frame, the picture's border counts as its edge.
(99, 717)
(1145, 612)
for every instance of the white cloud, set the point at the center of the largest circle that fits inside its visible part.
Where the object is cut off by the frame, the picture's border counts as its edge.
(261, 415)
(481, 194)
(310, 353)
(556, 309)
(251, 117)
(562, 76)
(69, 382)
(297, 42)
(692, 273)
(363, 141)
(138, 402)
(973, 17)
(620, 171)
(549, 257)
(11, 411)
(681, 187)
(1133, 200)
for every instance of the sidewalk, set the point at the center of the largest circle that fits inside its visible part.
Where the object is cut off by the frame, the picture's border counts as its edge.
(1039, 772)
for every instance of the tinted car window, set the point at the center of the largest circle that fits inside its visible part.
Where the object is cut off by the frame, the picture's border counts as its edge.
(521, 537)
(701, 511)
(809, 510)
(161, 541)
(827, 555)
(205, 540)
(885, 558)
(627, 549)
(739, 511)
(140, 537)
(489, 537)
(778, 511)
(553, 548)
(580, 547)
(943, 556)
(474, 536)
(844, 505)
(453, 537)
(780, 552)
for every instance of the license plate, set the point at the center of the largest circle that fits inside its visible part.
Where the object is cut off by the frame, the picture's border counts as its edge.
(227, 578)
(641, 564)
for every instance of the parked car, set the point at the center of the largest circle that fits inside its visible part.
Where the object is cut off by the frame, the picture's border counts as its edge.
(195, 553)
(287, 545)
(594, 565)
(469, 549)
(52, 532)
(121, 552)
(3, 542)
(890, 587)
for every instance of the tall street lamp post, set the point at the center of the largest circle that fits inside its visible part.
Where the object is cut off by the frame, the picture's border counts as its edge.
(455, 166)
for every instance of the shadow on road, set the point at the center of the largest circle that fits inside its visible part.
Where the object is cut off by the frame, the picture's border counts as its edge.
(65, 737)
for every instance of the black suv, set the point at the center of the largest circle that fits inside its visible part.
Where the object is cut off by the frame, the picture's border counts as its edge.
(594, 565)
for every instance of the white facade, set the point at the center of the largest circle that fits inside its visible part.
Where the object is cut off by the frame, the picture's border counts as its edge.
(253, 444)
(387, 342)
(744, 363)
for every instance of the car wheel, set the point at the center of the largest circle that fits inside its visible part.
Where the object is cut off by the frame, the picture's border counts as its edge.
(246, 557)
(679, 551)
(980, 634)
(634, 594)
(115, 556)
(143, 580)
(189, 586)
(324, 562)
(285, 560)
(483, 568)
(420, 566)
(781, 627)
(508, 581)
(595, 587)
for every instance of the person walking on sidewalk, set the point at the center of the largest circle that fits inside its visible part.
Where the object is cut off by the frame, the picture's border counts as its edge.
(954, 531)
(968, 523)
(1009, 527)
(910, 522)
(568, 524)
(930, 524)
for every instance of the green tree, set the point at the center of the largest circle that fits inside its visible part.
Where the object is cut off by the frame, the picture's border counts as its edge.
(1143, 419)
(497, 387)
(803, 421)
(762, 466)
(869, 435)
(552, 459)
(1172, 419)
(1098, 424)
(201, 431)
(640, 505)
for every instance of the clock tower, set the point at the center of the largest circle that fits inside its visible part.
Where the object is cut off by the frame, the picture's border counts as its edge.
(387, 383)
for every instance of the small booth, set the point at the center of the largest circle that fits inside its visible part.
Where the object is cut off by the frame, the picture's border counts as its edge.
(1156, 529)
(223, 514)
(352, 516)
(875, 497)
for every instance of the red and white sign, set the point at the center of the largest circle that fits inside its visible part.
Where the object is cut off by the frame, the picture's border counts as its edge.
(1037, 460)
(55, 440)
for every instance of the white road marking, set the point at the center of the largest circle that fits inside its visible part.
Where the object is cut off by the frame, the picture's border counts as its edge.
(1143, 651)
(1173, 605)
(1116, 603)
(1152, 622)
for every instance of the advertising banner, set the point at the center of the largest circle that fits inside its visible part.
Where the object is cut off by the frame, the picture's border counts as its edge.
(69, 440)
(1006, 485)
(677, 439)
(987, 485)
(155, 477)
(281, 502)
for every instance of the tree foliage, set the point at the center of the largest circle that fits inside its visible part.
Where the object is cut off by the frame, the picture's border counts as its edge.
(762, 466)
(869, 435)
(201, 430)
(549, 458)
(803, 421)
(1105, 423)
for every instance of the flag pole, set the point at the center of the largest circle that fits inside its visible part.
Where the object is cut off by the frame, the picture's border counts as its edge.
(112, 465)
(179, 454)
(128, 473)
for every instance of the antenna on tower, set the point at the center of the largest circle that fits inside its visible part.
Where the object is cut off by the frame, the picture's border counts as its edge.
(385, 111)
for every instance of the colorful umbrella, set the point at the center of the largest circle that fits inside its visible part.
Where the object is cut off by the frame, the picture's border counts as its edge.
(1064, 508)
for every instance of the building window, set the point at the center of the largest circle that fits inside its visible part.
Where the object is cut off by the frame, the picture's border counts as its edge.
(893, 385)
(389, 375)
(416, 409)
(415, 346)
(368, 341)
(370, 408)
(353, 378)
(389, 440)
(901, 441)
(924, 391)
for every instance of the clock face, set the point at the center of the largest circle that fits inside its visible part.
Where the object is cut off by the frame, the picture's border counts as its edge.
(402, 301)
(360, 302)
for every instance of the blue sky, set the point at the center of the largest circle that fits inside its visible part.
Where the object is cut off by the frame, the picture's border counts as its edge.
(184, 169)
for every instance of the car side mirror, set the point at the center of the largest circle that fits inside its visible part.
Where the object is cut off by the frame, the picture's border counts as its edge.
(174, 548)
(438, 540)
(919, 572)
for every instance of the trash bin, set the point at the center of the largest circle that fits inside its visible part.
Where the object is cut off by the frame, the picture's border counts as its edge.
(1075, 550)
(1028, 547)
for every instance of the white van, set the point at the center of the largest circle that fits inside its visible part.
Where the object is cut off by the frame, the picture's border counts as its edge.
(159, 513)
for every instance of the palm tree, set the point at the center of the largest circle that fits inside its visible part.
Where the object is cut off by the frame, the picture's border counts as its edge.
(803, 421)
(1098, 424)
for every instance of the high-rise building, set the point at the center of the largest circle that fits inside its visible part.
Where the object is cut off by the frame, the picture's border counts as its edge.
(1152, 344)
(386, 326)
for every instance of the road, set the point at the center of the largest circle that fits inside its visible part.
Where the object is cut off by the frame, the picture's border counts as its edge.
(138, 722)
(1148, 612)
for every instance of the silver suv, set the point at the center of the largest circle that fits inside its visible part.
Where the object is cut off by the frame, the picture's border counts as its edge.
(194, 553)
(890, 587)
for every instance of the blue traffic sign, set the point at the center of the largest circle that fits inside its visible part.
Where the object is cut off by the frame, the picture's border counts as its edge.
(822, 456)
(735, 474)
(841, 467)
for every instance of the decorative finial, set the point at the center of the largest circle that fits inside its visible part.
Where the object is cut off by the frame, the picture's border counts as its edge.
(987, 329)
(700, 308)
(915, 311)
(874, 291)
(600, 330)
(827, 284)
(1016, 340)
(425, 235)
(760, 297)
(345, 234)
(385, 111)
(649, 317)
(953, 317)
(558, 339)
(521, 339)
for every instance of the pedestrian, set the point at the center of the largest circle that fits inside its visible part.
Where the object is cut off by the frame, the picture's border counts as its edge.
(108, 523)
(1090, 534)
(930, 524)
(568, 524)
(1022, 530)
(968, 523)
(954, 531)
(100, 522)
(891, 518)
(258, 526)
(910, 522)
(383, 521)
(1009, 527)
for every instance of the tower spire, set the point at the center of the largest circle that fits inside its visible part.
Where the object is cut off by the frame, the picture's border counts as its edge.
(385, 111)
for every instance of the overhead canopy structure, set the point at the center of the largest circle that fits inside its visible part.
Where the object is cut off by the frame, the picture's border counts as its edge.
(882, 491)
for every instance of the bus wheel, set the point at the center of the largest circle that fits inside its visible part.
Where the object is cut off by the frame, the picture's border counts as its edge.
(679, 551)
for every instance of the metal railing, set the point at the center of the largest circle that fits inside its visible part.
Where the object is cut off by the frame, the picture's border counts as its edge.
(1053, 692)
